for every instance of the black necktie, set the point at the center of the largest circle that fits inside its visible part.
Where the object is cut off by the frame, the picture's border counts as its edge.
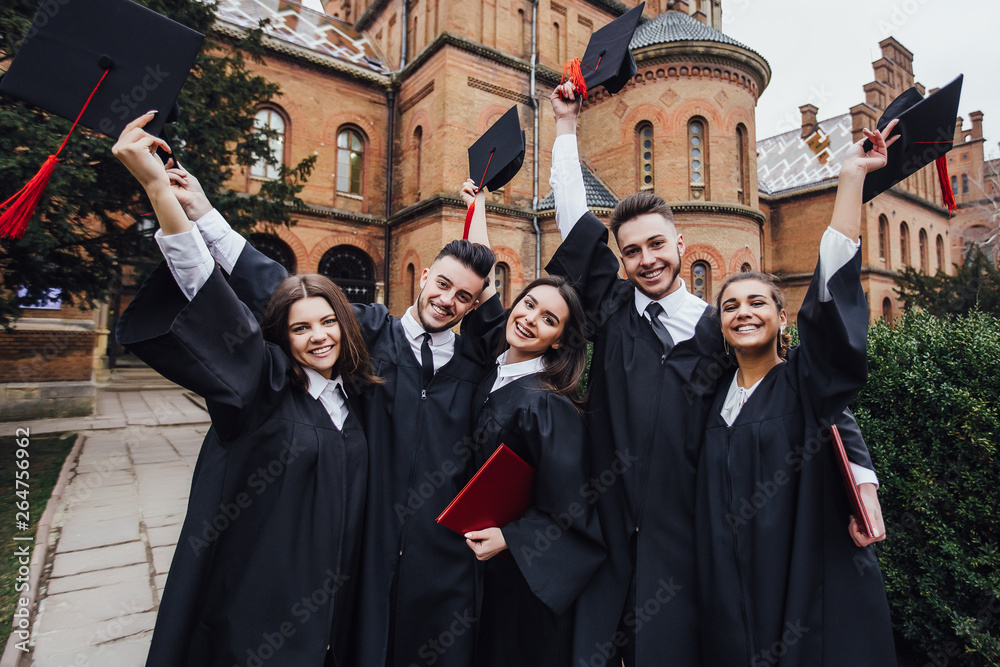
(666, 342)
(427, 360)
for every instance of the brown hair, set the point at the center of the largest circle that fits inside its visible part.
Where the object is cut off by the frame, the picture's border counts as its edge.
(638, 204)
(353, 362)
(474, 256)
(784, 340)
(565, 364)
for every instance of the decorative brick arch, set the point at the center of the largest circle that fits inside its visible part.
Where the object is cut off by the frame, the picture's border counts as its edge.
(411, 257)
(642, 112)
(483, 121)
(335, 240)
(291, 239)
(513, 262)
(737, 116)
(420, 118)
(687, 110)
(700, 252)
(335, 122)
(739, 258)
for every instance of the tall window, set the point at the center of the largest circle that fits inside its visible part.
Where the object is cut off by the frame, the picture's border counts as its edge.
(883, 239)
(523, 42)
(887, 309)
(743, 158)
(501, 281)
(557, 35)
(353, 271)
(698, 158)
(411, 280)
(965, 183)
(904, 244)
(940, 252)
(418, 145)
(954, 183)
(350, 161)
(701, 279)
(644, 141)
(274, 248)
(269, 119)
(924, 262)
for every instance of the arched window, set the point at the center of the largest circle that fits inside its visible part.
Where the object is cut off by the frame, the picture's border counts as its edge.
(904, 244)
(353, 271)
(924, 262)
(350, 161)
(698, 158)
(501, 281)
(522, 31)
(411, 280)
(954, 183)
(557, 37)
(940, 252)
(271, 246)
(418, 146)
(743, 164)
(883, 239)
(644, 153)
(271, 120)
(965, 183)
(746, 268)
(701, 280)
(887, 309)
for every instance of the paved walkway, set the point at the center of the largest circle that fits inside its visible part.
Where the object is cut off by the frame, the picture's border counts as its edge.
(114, 533)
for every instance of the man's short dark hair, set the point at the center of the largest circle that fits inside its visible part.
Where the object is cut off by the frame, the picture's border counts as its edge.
(473, 256)
(638, 204)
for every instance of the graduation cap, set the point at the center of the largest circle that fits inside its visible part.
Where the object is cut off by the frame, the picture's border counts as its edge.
(100, 63)
(926, 130)
(608, 60)
(496, 157)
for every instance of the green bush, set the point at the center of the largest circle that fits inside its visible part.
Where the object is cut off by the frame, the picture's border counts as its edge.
(931, 416)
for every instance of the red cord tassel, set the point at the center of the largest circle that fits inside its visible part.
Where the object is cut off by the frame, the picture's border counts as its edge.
(15, 219)
(946, 193)
(573, 73)
(468, 220)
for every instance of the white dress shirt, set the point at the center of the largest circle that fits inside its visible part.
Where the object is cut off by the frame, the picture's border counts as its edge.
(331, 393)
(442, 342)
(507, 373)
(681, 311)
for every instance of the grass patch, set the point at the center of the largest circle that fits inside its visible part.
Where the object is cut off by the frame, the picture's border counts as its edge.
(46, 458)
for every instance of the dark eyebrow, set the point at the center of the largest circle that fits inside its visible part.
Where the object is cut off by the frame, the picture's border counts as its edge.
(552, 315)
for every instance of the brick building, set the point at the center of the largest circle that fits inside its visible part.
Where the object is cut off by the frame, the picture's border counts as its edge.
(388, 94)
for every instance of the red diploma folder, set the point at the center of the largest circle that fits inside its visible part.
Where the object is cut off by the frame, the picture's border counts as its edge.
(853, 497)
(499, 493)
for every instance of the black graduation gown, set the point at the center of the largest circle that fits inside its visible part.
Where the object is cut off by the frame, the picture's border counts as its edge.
(780, 580)
(646, 416)
(556, 546)
(265, 566)
(418, 580)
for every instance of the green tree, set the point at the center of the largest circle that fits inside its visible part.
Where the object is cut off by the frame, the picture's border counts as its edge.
(975, 286)
(62, 247)
(929, 413)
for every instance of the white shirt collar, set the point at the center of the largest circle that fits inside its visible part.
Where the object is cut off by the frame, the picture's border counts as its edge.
(671, 303)
(414, 330)
(519, 369)
(318, 383)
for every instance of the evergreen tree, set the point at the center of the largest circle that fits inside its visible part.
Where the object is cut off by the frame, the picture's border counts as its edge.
(83, 230)
(975, 286)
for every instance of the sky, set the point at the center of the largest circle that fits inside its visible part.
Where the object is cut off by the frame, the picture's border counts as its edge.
(821, 51)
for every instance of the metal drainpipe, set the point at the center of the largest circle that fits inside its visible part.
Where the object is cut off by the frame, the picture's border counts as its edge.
(534, 106)
(390, 99)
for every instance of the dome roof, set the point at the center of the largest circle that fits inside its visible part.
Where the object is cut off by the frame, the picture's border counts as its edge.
(674, 26)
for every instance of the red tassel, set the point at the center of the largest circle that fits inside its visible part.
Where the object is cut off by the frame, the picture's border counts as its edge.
(15, 219)
(946, 193)
(574, 74)
(468, 220)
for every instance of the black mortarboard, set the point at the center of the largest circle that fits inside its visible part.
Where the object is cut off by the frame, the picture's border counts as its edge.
(608, 60)
(72, 42)
(496, 157)
(926, 130)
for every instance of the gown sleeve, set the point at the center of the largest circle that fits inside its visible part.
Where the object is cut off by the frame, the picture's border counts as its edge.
(211, 345)
(557, 543)
(485, 326)
(254, 278)
(854, 442)
(585, 259)
(832, 358)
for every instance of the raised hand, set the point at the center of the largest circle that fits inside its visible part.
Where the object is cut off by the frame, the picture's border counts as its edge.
(470, 192)
(858, 160)
(188, 191)
(566, 104)
(136, 149)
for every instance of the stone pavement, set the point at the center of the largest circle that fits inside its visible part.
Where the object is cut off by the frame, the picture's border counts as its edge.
(116, 527)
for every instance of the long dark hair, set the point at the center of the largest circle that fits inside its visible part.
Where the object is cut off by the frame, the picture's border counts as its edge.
(784, 340)
(565, 364)
(353, 362)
